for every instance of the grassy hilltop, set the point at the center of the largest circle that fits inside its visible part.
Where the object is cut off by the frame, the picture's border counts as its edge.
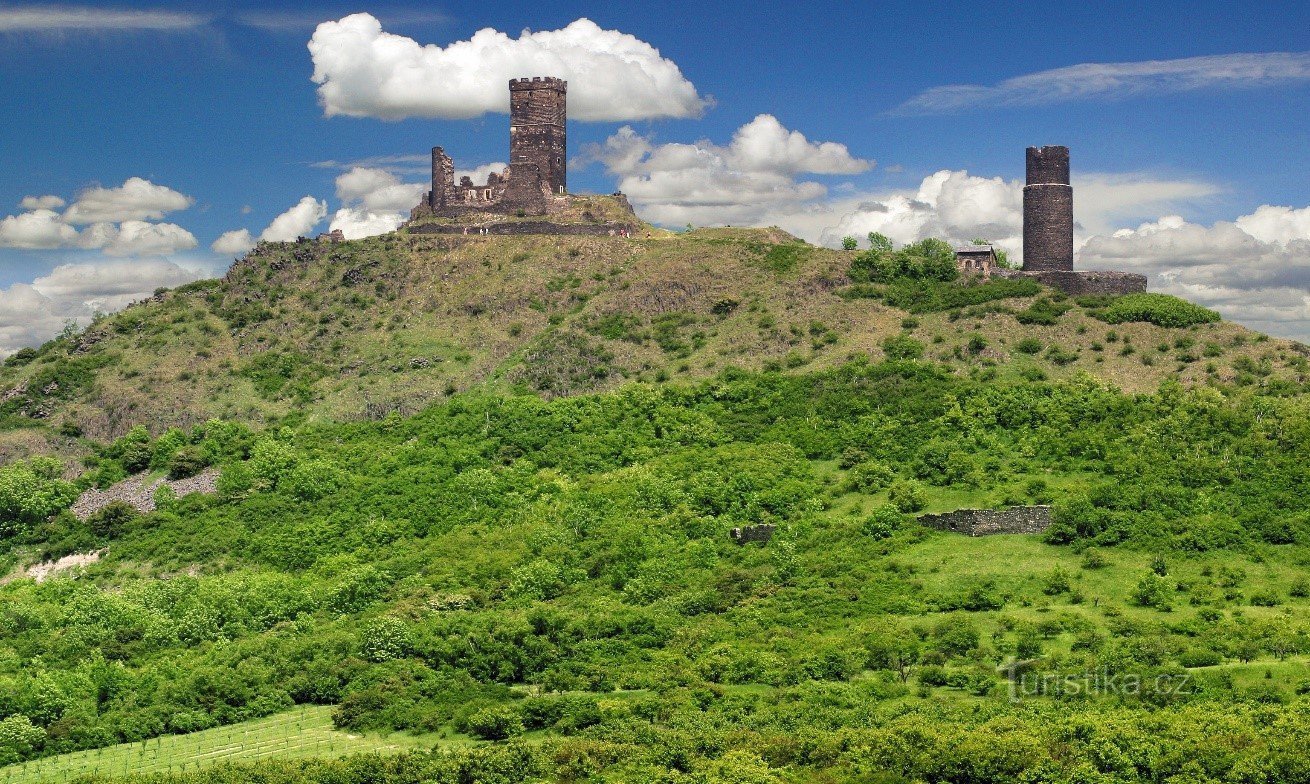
(354, 330)
(473, 512)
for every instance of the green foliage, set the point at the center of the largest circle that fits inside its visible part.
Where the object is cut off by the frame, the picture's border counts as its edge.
(30, 492)
(902, 347)
(849, 243)
(1153, 591)
(1044, 310)
(1029, 346)
(785, 257)
(501, 565)
(1162, 310)
(880, 243)
(907, 495)
(112, 519)
(886, 520)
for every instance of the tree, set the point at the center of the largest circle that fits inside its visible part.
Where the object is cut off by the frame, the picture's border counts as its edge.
(31, 492)
(880, 242)
(849, 243)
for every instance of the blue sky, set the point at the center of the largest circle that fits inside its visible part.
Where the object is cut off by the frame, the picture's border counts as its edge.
(1186, 124)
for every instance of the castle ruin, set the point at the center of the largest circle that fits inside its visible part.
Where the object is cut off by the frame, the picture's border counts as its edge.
(530, 196)
(1047, 210)
(1048, 232)
(538, 153)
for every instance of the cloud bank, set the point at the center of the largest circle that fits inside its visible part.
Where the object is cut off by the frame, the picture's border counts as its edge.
(298, 221)
(363, 71)
(754, 176)
(115, 220)
(32, 313)
(1115, 81)
(66, 18)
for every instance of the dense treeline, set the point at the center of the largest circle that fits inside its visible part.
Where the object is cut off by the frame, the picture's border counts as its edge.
(502, 566)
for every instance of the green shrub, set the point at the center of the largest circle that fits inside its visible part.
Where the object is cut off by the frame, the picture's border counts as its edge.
(885, 521)
(112, 519)
(187, 462)
(1162, 310)
(907, 495)
(902, 347)
(1029, 346)
(497, 722)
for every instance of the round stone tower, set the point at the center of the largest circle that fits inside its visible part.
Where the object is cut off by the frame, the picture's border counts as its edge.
(1048, 211)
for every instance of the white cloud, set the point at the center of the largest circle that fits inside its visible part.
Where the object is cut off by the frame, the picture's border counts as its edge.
(41, 203)
(135, 199)
(233, 243)
(1260, 280)
(66, 18)
(139, 238)
(1087, 81)
(1277, 224)
(32, 313)
(299, 221)
(36, 230)
(363, 71)
(115, 215)
(751, 178)
(958, 206)
(379, 190)
(478, 174)
(953, 205)
(356, 223)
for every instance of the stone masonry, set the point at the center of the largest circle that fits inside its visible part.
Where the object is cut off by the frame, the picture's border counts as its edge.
(1047, 211)
(985, 522)
(1048, 232)
(537, 175)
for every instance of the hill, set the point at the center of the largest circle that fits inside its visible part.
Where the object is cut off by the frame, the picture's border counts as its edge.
(521, 554)
(354, 330)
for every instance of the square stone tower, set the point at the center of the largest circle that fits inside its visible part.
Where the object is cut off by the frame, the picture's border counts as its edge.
(1047, 211)
(537, 137)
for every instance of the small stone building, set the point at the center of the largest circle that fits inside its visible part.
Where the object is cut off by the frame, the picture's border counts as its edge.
(976, 260)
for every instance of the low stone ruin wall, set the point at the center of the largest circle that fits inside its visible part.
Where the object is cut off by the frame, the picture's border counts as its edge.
(139, 492)
(753, 533)
(1077, 283)
(984, 522)
(528, 227)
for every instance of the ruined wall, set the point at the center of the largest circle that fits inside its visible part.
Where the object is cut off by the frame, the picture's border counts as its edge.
(528, 227)
(1077, 283)
(1047, 210)
(537, 133)
(985, 522)
(753, 533)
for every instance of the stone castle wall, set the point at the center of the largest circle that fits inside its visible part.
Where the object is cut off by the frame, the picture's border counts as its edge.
(1077, 283)
(1047, 210)
(538, 136)
(985, 522)
(528, 227)
(538, 171)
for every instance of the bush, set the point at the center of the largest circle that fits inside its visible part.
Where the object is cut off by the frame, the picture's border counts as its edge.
(1045, 311)
(1153, 591)
(1162, 310)
(1029, 346)
(902, 347)
(1200, 657)
(385, 639)
(112, 519)
(907, 495)
(868, 476)
(187, 462)
(498, 722)
(885, 521)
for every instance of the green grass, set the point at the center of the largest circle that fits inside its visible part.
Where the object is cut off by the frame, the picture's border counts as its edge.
(302, 733)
